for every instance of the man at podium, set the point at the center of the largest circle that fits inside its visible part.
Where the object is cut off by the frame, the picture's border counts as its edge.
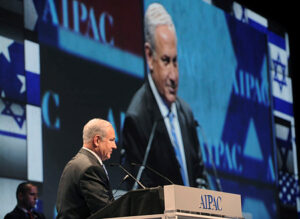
(156, 110)
(84, 186)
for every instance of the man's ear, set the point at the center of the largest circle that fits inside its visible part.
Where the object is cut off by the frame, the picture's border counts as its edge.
(149, 56)
(20, 196)
(96, 140)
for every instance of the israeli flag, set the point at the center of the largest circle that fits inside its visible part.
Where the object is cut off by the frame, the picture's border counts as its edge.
(13, 155)
(12, 74)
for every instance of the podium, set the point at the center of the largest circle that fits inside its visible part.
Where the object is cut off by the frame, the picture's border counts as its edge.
(173, 202)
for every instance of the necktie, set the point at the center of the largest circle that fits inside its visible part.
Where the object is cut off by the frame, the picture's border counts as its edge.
(177, 150)
(105, 170)
(30, 214)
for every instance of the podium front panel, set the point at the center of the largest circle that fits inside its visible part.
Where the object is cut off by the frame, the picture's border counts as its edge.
(194, 200)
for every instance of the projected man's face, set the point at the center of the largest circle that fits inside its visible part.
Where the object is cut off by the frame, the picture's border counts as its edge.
(163, 63)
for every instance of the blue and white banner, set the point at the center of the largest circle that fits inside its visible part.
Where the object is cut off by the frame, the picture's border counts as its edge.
(20, 123)
(32, 69)
(12, 75)
(248, 16)
(281, 82)
(13, 155)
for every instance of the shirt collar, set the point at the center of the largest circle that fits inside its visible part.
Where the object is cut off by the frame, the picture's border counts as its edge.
(98, 158)
(24, 209)
(164, 109)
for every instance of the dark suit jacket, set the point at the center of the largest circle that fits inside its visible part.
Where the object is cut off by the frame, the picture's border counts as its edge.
(18, 213)
(83, 188)
(143, 111)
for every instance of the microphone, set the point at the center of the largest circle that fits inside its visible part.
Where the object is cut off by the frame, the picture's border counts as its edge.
(218, 182)
(154, 171)
(142, 167)
(123, 180)
(129, 174)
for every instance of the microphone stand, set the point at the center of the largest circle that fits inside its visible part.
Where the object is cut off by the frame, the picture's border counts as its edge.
(123, 180)
(142, 167)
(126, 171)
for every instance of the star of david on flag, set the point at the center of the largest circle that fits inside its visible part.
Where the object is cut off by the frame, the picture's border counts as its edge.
(13, 134)
(279, 69)
(13, 137)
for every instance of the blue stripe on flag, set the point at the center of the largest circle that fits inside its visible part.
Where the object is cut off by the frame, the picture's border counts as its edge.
(33, 88)
(276, 40)
(257, 26)
(12, 134)
(283, 106)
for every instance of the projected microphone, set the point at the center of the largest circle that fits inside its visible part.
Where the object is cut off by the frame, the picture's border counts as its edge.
(129, 174)
(154, 171)
(142, 167)
(218, 182)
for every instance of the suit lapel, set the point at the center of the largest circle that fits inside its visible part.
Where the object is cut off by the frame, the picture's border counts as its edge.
(153, 110)
(152, 106)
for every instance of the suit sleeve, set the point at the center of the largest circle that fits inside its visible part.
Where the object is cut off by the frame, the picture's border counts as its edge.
(95, 188)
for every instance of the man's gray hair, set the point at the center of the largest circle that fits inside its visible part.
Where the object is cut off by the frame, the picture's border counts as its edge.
(155, 15)
(94, 127)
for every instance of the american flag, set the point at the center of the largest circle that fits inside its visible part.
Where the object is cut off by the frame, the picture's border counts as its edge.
(288, 189)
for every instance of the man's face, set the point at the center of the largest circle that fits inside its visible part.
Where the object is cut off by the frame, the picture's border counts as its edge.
(106, 144)
(163, 63)
(29, 197)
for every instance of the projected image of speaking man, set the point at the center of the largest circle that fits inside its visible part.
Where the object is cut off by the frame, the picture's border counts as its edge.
(175, 150)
